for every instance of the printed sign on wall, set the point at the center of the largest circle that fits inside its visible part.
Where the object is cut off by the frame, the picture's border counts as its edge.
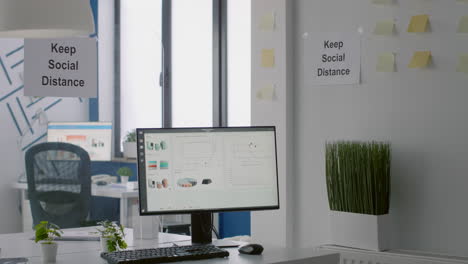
(336, 58)
(60, 67)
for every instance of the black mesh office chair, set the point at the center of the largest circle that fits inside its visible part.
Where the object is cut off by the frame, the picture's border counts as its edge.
(59, 183)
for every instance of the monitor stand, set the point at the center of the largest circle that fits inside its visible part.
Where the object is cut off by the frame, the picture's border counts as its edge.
(201, 228)
(201, 231)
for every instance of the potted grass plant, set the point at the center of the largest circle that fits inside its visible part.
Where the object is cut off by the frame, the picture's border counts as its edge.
(112, 236)
(129, 145)
(358, 185)
(45, 233)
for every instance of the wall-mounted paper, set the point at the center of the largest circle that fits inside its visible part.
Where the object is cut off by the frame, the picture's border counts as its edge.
(421, 59)
(267, 93)
(463, 25)
(60, 67)
(386, 62)
(268, 58)
(385, 28)
(463, 1)
(268, 22)
(463, 63)
(418, 24)
(382, 2)
(335, 58)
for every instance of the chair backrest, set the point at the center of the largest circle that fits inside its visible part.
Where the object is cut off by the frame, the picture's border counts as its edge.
(59, 183)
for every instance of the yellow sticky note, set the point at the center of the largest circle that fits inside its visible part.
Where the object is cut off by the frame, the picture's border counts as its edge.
(421, 59)
(385, 28)
(267, 22)
(386, 62)
(418, 24)
(463, 25)
(267, 93)
(463, 64)
(268, 58)
(382, 2)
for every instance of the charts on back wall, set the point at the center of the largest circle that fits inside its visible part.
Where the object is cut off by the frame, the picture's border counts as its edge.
(22, 111)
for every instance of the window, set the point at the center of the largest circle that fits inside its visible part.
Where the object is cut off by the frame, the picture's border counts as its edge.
(206, 61)
(238, 62)
(192, 63)
(140, 64)
(183, 63)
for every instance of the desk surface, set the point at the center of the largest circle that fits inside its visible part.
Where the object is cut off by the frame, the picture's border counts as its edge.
(70, 252)
(111, 191)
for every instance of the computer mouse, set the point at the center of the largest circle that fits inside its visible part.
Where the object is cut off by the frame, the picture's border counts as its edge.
(251, 249)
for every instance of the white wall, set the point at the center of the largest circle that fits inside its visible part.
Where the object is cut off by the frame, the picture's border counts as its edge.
(422, 112)
(106, 59)
(12, 160)
(274, 227)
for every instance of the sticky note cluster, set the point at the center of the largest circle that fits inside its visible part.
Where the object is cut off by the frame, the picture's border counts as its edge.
(268, 22)
(385, 28)
(267, 93)
(463, 25)
(386, 62)
(463, 64)
(419, 24)
(421, 59)
(268, 58)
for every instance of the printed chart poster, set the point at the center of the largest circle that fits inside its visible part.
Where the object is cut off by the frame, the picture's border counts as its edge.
(336, 58)
(60, 67)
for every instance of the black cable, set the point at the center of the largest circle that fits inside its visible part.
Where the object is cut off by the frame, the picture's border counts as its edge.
(213, 228)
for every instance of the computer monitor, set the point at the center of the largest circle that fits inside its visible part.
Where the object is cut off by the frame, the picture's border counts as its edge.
(94, 137)
(205, 170)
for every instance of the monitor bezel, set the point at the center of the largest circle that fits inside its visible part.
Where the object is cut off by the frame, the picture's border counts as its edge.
(210, 210)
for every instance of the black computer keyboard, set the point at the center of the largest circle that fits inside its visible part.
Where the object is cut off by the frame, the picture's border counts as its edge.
(163, 255)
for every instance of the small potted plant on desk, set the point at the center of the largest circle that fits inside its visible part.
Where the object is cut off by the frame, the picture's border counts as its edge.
(112, 236)
(129, 145)
(46, 233)
(125, 173)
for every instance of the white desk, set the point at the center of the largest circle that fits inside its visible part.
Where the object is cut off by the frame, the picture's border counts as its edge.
(74, 252)
(125, 196)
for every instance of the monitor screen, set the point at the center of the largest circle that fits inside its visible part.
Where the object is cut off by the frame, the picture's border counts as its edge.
(94, 137)
(187, 170)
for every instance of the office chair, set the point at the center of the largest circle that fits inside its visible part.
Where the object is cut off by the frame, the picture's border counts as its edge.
(59, 183)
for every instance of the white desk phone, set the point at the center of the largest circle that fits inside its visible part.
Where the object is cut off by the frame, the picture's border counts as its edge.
(103, 179)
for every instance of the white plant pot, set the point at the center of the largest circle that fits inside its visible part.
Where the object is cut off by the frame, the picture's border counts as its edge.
(49, 252)
(362, 231)
(124, 179)
(104, 244)
(130, 150)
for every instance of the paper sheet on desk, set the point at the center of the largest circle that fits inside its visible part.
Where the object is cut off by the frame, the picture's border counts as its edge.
(79, 236)
(118, 185)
